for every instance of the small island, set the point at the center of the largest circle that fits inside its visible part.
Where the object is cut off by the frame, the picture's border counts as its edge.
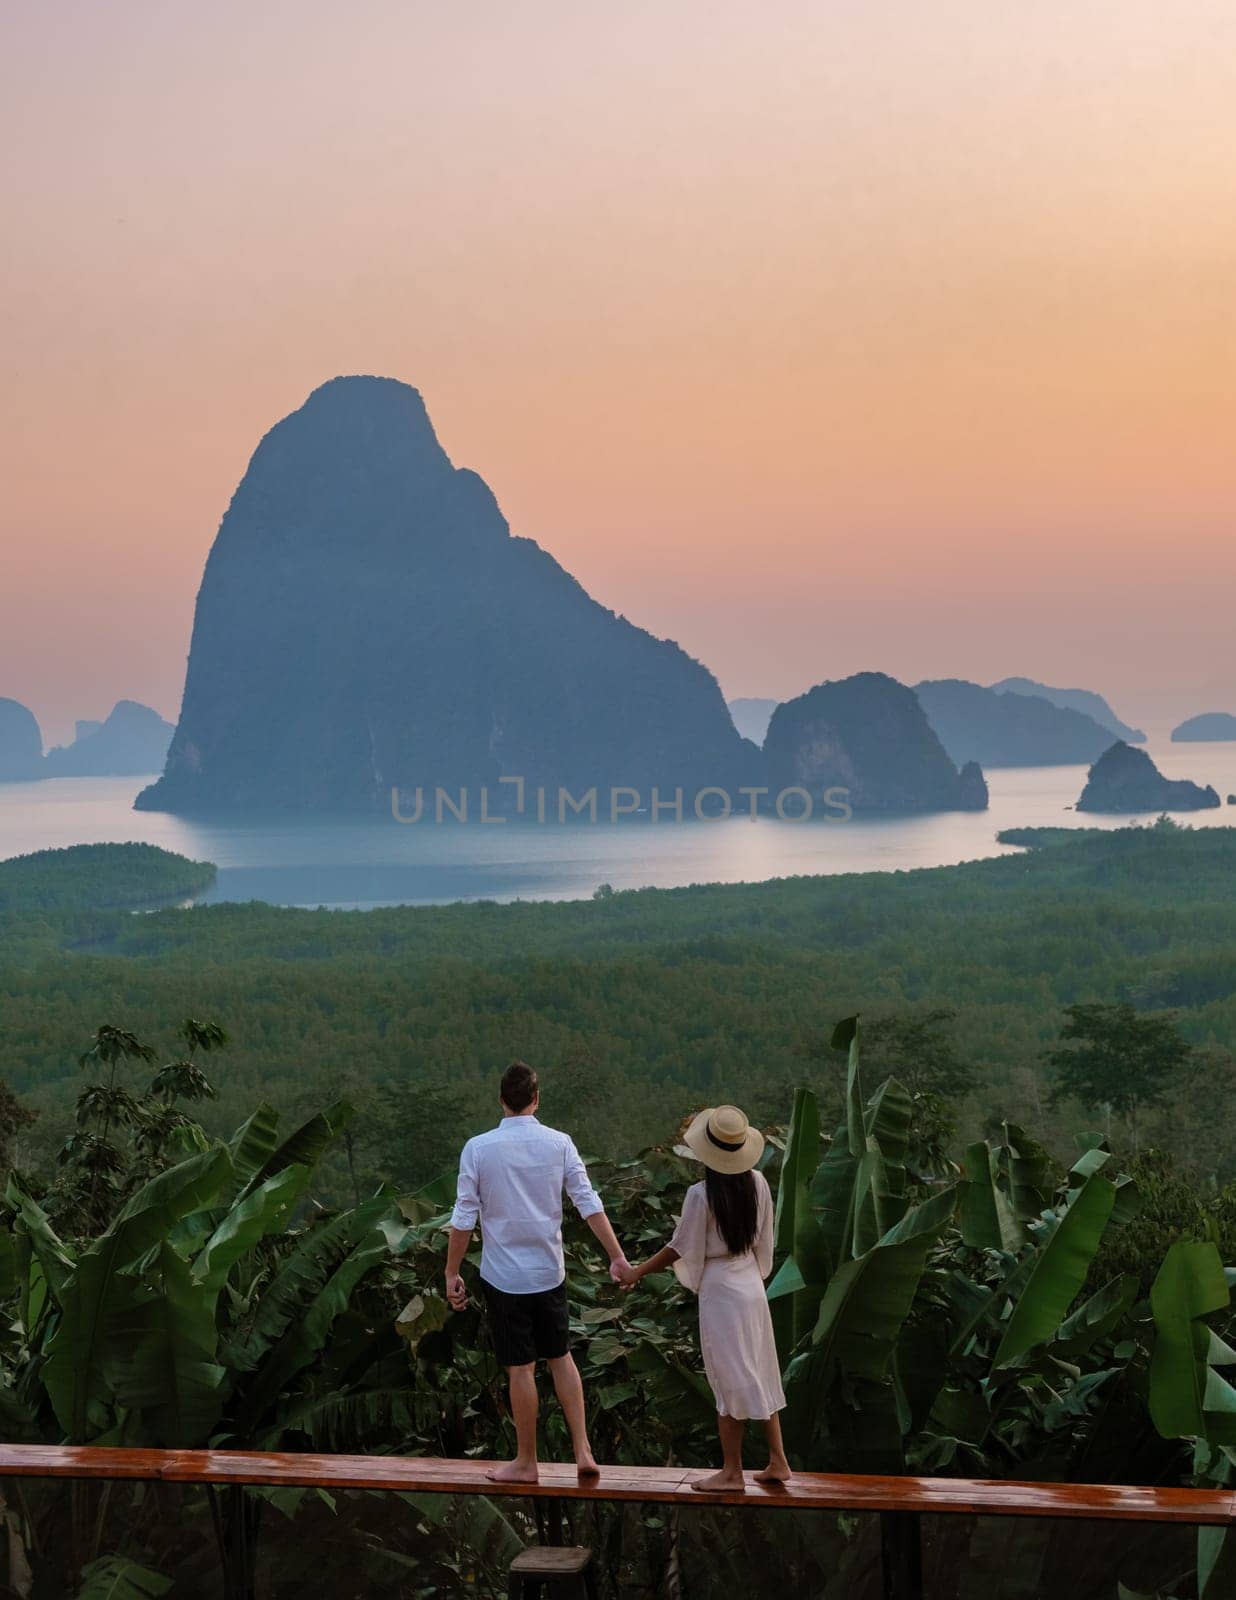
(100, 877)
(1209, 726)
(869, 736)
(1124, 780)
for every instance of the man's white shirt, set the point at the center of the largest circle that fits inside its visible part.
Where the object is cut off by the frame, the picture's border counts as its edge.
(511, 1179)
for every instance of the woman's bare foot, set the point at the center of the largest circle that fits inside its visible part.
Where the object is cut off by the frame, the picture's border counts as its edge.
(777, 1471)
(721, 1483)
(586, 1465)
(514, 1472)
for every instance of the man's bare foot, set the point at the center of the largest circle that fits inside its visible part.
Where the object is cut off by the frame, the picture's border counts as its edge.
(586, 1465)
(514, 1472)
(721, 1483)
(775, 1472)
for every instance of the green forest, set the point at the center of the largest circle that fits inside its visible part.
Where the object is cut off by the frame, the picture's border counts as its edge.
(638, 1007)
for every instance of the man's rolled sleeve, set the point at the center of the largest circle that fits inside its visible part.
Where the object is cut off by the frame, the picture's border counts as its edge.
(575, 1180)
(467, 1196)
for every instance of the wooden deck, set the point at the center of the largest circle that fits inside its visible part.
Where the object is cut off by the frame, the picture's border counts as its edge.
(662, 1485)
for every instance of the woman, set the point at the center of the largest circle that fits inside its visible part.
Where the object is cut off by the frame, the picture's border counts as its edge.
(722, 1250)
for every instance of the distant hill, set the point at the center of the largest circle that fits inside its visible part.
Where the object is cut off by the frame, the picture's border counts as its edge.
(751, 717)
(1209, 725)
(367, 622)
(868, 735)
(131, 742)
(999, 729)
(1086, 701)
(99, 877)
(21, 743)
(1124, 780)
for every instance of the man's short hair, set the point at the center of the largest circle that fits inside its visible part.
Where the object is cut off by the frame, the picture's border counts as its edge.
(519, 1087)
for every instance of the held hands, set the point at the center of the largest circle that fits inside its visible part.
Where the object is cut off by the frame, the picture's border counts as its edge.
(623, 1273)
(456, 1293)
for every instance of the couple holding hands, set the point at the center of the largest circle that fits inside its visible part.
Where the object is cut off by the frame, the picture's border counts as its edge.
(511, 1181)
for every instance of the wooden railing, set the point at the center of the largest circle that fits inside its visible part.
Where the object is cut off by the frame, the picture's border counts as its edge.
(899, 1502)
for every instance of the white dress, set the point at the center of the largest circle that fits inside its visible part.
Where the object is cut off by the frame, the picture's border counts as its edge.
(736, 1331)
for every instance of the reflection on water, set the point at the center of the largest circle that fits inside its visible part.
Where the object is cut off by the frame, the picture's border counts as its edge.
(345, 862)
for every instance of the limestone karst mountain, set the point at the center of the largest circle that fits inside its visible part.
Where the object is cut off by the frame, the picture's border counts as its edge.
(132, 741)
(1124, 780)
(1207, 726)
(869, 735)
(21, 743)
(367, 622)
(1008, 729)
(1086, 701)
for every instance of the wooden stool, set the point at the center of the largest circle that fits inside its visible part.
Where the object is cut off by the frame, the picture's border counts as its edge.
(566, 1569)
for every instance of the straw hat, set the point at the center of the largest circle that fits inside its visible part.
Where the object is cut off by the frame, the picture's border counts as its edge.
(723, 1139)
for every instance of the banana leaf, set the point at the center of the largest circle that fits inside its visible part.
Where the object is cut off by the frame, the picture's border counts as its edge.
(9, 1265)
(1188, 1398)
(301, 1277)
(260, 1213)
(845, 1037)
(988, 1220)
(305, 1337)
(855, 1199)
(680, 1398)
(868, 1299)
(833, 1198)
(306, 1146)
(118, 1578)
(342, 1423)
(1096, 1317)
(1027, 1170)
(1059, 1270)
(159, 1358)
(476, 1526)
(254, 1142)
(54, 1257)
(797, 1231)
(98, 1289)
(1216, 1549)
(430, 1200)
(882, 1172)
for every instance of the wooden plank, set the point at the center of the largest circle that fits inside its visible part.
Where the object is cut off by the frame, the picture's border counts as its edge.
(79, 1461)
(989, 1497)
(419, 1475)
(665, 1485)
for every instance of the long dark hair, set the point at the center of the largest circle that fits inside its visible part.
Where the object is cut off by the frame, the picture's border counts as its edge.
(735, 1207)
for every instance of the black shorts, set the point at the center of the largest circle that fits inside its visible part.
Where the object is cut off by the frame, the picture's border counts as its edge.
(528, 1327)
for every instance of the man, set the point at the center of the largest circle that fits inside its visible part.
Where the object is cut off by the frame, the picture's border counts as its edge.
(512, 1179)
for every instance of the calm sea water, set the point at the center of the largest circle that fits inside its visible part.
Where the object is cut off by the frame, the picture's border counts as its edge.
(349, 863)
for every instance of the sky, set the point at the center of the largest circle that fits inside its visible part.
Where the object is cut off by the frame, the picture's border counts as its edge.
(818, 335)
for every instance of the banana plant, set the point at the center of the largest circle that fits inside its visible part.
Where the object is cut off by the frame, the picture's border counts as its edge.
(855, 1254)
(1189, 1396)
(932, 1327)
(202, 1314)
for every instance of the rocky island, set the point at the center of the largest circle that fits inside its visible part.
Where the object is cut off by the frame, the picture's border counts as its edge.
(868, 735)
(21, 743)
(1086, 701)
(1124, 780)
(1005, 729)
(131, 742)
(1210, 725)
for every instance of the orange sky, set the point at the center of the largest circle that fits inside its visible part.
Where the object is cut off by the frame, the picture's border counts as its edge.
(815, 334)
